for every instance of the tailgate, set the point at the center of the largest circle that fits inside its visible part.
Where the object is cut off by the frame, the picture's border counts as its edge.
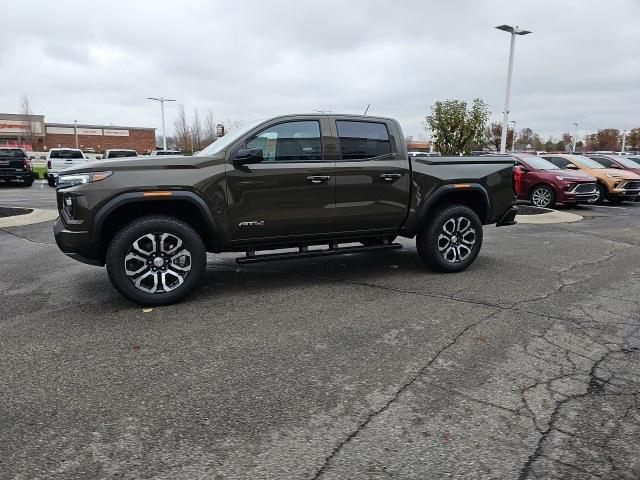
(10, 161)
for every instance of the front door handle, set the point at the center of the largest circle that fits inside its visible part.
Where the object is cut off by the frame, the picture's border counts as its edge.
(389, 177)
(318, 178)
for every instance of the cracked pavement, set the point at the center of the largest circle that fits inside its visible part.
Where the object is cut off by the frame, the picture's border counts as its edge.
(527, 365)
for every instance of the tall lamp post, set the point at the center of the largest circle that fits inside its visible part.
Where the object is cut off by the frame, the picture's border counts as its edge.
(75, 131)
(575, 137)
(624, 138)
(513, 139)
(507, 98)
(164, 133)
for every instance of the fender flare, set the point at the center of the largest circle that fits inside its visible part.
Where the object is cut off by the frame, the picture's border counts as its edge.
(137, 197)
(425, 206)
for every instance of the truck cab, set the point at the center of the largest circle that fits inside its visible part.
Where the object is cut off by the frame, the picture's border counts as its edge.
(59, 159)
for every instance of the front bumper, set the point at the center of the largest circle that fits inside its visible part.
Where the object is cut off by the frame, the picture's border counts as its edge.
(77, 245)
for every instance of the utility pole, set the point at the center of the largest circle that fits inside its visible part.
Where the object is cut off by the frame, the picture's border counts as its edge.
(164, 133)
(513, 139)
(507, 98)
(624, 138)
(575, 137)
(75, 131)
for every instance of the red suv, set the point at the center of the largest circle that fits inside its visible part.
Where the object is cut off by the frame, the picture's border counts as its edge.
(545, 184)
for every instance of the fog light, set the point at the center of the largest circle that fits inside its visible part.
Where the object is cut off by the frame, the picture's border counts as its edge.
(68, 201)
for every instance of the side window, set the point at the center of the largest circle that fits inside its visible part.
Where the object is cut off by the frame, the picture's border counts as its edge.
(359, 140)
(605, 162)
(558, 162)
(289, 142)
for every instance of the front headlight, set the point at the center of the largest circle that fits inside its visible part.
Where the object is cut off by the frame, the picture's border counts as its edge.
(73, 179)
(563, 178)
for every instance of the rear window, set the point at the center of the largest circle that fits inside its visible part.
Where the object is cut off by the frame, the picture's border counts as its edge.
(359, 140)
(537, 162)
(12, 153)
(122, 154)
(66, 154)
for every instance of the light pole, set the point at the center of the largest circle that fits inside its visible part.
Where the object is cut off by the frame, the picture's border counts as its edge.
(575, 137)
(75, 131)
(624, 138)
(507, 98)
(513, 139)
(164, 133)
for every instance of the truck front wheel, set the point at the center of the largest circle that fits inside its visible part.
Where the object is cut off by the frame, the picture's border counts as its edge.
(156, 260)
(451, 239)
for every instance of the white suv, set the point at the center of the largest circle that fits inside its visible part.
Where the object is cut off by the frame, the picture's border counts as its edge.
(60, 158)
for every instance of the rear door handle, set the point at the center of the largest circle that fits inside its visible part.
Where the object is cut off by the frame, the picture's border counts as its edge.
(389, 177)
(318, 178)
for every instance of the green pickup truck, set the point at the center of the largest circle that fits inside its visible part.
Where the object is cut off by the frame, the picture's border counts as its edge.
(289, 187)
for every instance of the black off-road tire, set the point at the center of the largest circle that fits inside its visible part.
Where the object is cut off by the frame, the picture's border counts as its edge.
(51, 181)
(156, 225)
(429, 243)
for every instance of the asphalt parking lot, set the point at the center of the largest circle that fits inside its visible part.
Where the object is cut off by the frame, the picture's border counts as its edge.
(363, 366)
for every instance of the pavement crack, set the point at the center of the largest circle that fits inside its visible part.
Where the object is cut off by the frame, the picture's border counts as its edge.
(372, 415)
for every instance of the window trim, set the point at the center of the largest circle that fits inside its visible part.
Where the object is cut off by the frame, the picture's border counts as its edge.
(282, 162)
(392, 153)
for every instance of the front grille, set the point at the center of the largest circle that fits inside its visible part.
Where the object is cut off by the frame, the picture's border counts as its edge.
(585, 188)
(631, 185)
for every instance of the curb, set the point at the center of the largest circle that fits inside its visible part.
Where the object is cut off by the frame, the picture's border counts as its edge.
(551, 217)
(37, 216)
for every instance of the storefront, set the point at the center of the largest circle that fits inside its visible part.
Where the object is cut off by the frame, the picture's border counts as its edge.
(22, 131)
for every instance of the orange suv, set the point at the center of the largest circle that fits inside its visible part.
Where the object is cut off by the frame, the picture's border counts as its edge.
(613, 184)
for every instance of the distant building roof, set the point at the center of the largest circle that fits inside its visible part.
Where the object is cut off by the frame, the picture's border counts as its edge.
(86, 125)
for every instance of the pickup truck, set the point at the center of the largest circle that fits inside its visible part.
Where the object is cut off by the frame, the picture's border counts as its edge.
(60, 158)
(289, 187)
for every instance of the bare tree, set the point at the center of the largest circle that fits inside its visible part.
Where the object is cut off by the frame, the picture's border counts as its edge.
(183, 135)
(25, 110)
(209, 134)
(196, 132)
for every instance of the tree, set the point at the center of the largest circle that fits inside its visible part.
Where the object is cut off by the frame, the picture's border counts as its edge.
(196, 132)
(633, 139)
(456, 129)
(183, 135)
(209, 133)
(606, 139)
(25, 111)
(567, 141)
(525, 137)
(494, 135)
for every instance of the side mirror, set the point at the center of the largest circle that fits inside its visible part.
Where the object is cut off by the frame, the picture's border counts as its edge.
(571, 166)
(246, 156)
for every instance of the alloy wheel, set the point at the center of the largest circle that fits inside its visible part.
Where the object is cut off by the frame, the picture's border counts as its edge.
(541, 197)
(157, 262)
(457, 239)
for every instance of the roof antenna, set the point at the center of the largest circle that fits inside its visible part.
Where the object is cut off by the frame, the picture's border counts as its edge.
(366, 109)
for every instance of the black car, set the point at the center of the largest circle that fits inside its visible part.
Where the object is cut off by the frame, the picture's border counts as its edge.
(15, 166)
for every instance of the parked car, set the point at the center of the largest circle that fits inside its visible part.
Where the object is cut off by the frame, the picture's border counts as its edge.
(119, 153)
(59, 159)
(15, 166)
(289, 182)
(621, 162)
(158, 153)
(612, 184)
(544, 183)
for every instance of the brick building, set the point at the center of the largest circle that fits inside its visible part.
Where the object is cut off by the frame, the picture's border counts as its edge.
(98, 138)
(34, 134)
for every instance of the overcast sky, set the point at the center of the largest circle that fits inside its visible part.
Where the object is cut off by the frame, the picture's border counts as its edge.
(97, 61)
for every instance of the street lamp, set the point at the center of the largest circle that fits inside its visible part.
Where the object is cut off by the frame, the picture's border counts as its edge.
(575, 137)
(513, 139)
(624, 138)
(75, 131)
(164, 133)
(507, 98)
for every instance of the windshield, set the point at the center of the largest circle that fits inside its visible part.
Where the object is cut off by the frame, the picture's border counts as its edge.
(12, 153)
(629, 162)
(223, 142)
(585, 161)
(537, 162)
(66, 154)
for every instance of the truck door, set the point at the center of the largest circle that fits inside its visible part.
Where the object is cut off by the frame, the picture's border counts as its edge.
(291, 192)
(372, 176)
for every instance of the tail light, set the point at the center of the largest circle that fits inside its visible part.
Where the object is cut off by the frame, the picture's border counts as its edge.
(517, 179)
(49, 164)
(26, 164)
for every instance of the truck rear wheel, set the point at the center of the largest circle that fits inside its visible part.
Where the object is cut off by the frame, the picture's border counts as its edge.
(156, 260)
(451, 239)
